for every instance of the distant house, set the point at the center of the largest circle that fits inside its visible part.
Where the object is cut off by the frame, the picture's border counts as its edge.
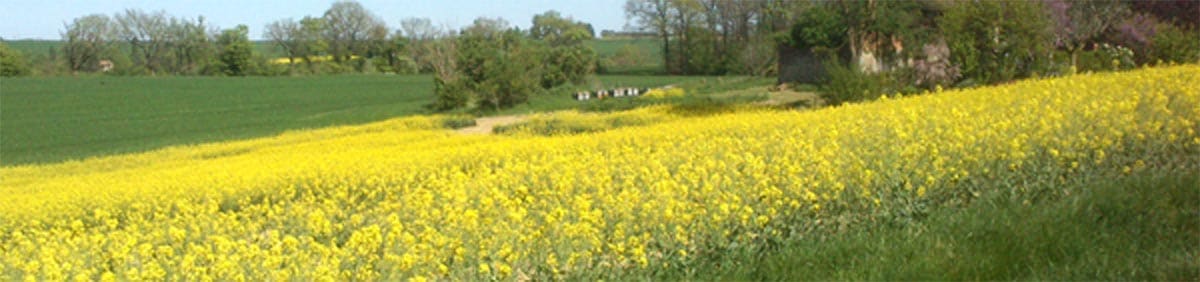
(105, 65)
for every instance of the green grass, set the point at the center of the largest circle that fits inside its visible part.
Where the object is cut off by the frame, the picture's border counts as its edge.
(54, 119)
(1142, 227)
(607, 48)
(60, 118)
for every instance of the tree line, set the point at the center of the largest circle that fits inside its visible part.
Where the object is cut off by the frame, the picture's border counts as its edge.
(863, 48)
(871, 47)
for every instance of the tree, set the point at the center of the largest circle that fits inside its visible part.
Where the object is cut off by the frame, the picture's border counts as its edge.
(147, 35)
(190, 44)
(1077, 23)
(495, 67)
(654, 16)
(236, 50)
(422, 34)
(712, 36)
(568, 59)
(348, 28)
(12, 62)
(450, 92)
(997, 41)
(311, 40)
(285, 34)
(86, 39)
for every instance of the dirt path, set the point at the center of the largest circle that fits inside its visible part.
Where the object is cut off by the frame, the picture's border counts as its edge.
(485, 125)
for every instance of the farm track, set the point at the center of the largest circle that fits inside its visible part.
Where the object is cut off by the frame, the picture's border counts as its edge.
(486, 124)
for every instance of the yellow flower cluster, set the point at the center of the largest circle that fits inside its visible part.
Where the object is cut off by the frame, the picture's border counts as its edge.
(405, 200)
(315, 59)
(669, 92)
(572, 122)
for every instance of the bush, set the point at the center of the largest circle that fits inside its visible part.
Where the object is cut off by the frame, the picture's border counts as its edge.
(449, 95)
(12, 62)
(1173, 44)
(401, 65)
(1106, 57)
(458, 121)
(845, 84)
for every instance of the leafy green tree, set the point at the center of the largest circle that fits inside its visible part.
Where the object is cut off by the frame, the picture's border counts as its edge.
(311, 40)
(495, 66)
(997, 41)
(567, 58)
(236, 51)
(12, 62)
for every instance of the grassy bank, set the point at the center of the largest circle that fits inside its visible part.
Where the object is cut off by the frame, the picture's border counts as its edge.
(1139, 227)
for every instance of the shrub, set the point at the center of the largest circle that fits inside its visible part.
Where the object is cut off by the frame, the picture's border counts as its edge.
(1174, 44)
(12, 62)
(846, 84)
(458, 121)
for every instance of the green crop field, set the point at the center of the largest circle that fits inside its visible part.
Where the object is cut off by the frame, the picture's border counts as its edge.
(608, 48)
(52, 119)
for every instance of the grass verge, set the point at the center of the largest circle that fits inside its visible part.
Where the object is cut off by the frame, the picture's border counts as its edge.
(1142, 227)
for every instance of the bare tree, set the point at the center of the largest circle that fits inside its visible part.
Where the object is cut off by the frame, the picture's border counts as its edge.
(419, 29)
(190, 44)
(655, 16)
(285, 34)
(423, 37)
(87, 38)
(147, 35)
(348, 28)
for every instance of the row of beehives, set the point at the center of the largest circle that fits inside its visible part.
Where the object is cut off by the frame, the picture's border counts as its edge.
(610, 93)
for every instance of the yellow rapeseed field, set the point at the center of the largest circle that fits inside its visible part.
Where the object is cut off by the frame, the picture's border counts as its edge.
(405, 200)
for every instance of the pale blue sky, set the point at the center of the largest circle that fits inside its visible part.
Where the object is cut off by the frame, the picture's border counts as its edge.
(43, 19)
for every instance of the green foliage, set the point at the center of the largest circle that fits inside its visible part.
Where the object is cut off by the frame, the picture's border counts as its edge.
(1105, 58)
(12, 62)
(497, 67)
(563, 64)
(818, 27)
(846, 84)
(1174, 44)
(458, 121)
(449, 95)
(998, 41)
(236, 51)
(567, 59)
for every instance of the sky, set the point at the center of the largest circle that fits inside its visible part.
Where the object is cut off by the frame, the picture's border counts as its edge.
(44, 19)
